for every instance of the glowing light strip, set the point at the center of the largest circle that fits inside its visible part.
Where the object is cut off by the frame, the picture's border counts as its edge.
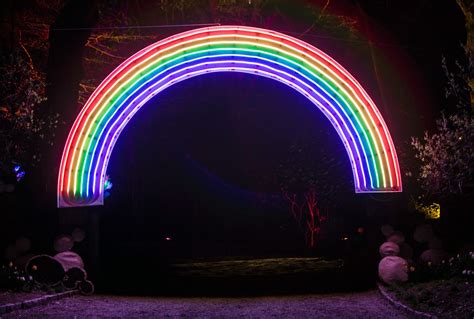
(350, 108)
(94, 119)
(181, 43)
(236, 55)
(132, 57)
(187, 47)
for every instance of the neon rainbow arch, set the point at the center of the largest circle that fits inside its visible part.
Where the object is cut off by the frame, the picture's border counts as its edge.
(257, 51)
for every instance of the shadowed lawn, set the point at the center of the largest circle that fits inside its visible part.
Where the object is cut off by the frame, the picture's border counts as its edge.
(235, 277)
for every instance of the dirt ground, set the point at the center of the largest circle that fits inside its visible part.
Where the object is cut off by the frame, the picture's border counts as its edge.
(342, 305)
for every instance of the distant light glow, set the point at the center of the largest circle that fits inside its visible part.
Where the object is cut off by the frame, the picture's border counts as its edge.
(432, 211)
(107, 184)
(82, 175)
(19, 173)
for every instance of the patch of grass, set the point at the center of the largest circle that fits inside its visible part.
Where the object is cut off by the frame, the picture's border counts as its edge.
(243, 276)
(267, 267)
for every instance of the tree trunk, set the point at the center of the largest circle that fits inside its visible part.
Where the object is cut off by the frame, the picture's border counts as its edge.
(307, 215)
(67, 38)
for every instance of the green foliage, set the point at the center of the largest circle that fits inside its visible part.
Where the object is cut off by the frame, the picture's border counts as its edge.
(460, 266)
(14, 279)
(447, 156)
(457, 83)
(22, 91)
(447, 298)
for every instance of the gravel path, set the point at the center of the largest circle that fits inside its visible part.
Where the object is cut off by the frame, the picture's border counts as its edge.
(14, 297)
(351, 305)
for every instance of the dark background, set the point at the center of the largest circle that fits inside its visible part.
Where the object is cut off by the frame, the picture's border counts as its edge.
(198, 163)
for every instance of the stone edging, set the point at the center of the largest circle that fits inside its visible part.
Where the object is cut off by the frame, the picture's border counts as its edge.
(398, 304)
(35, 302)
